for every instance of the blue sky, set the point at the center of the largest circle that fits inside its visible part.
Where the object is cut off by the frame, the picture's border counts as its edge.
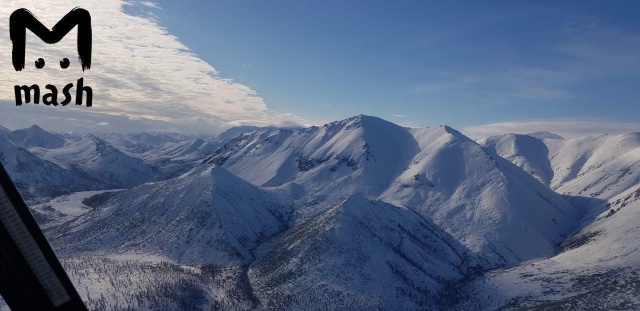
(484, 67)
(424, 62)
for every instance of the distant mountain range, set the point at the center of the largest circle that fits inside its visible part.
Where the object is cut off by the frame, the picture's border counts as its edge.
(358, 214)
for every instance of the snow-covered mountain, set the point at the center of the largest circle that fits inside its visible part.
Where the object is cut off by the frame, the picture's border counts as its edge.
(39, 179)
(135, 143)
(207, 216)
(599, 269)
(589, 170)
(35, 136)
(356, 214)
(360, 255)
(175, 158)
(98, 159)
(235, 131)
(485, 202)
(601, 166)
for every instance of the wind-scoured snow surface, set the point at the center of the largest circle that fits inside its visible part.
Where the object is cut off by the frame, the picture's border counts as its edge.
(358, 214)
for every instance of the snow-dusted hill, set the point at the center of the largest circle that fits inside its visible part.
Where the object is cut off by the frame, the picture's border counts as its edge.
(487, 203)
(359, 255)
(98, 159)
(207, 216)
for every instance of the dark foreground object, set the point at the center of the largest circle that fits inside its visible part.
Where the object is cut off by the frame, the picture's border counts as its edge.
(31, 277)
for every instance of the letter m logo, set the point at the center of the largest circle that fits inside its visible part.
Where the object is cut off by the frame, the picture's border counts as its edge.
(22, 19)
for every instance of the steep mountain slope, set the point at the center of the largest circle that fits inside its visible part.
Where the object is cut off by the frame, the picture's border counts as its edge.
(35, 136)
(38, 179)
(358, 255)
(600, 266)
(207, 216)
(487, 203)
(100, 160)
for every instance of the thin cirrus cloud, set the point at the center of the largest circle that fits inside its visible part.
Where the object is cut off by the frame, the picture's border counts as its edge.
(143, 78)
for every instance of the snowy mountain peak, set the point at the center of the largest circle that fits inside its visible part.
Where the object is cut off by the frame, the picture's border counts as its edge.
(362, 121)
(35, 128)
(35, 136)
(454, 134)
(99, 159)
(207, 216)
(351, 255)
(198, 142)
(218, 174)
(37, 178)
(93, 138)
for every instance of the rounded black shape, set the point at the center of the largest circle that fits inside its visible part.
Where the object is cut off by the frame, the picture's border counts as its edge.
(40, 63)
(64, 63)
